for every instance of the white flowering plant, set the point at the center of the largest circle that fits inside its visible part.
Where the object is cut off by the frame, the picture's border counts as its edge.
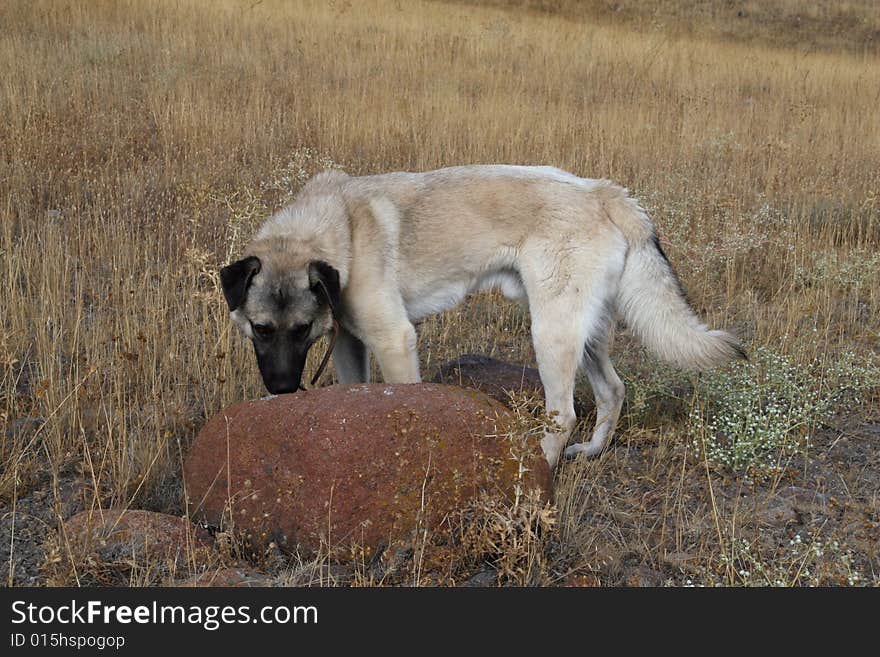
(804, 560)
(753, 417)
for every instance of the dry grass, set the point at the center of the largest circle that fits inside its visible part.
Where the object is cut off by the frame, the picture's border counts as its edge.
(143, 142)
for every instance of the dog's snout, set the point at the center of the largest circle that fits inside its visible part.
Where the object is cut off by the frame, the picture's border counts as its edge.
(281, 387)
(281, 367)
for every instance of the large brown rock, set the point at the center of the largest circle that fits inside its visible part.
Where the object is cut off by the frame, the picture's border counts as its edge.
(356, 464)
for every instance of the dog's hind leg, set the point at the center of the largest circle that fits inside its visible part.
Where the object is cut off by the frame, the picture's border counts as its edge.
(351, 359)
(609, 392)
(570, 303)
(558, 337)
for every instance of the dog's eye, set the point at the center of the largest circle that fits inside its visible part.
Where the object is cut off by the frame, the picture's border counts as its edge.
(301, 332)
(264, 330)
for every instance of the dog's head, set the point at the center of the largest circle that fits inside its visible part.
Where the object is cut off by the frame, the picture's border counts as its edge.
(283, 309)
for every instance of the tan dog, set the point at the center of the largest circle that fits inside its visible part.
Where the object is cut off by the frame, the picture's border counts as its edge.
(373, 254)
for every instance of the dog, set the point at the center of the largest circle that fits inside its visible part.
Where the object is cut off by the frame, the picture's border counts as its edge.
(366, 257)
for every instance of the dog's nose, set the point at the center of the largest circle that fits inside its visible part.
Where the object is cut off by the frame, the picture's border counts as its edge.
(282, 388)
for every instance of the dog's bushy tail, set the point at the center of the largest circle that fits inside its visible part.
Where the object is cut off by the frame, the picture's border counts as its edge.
(651, 298)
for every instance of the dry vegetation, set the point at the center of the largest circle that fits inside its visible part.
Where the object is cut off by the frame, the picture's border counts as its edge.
(141, 143)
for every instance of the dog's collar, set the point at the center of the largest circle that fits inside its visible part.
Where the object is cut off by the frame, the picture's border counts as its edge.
(326, 359)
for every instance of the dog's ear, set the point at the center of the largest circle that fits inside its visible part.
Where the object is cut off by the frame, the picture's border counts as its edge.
(324, 282)
(236, 278)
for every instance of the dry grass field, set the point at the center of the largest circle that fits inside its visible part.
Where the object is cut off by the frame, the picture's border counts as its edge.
(141, 143)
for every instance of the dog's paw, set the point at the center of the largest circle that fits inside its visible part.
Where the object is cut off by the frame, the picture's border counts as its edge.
(552, 446)
(585, 450)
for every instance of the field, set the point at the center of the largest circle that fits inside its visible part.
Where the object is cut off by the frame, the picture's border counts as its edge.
(142, 143)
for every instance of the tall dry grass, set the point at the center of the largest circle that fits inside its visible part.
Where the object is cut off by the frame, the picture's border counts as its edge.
(141, 143)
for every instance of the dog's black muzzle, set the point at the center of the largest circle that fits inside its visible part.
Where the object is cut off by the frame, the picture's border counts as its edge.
(281, 365)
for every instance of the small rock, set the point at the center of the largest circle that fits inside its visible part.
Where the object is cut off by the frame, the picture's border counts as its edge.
(777, 513)
(482, 579)
(234, 577)
(336, 573)
(390, 561)
(132, 536)
(681, 560)
(806, 500)
(642, 577)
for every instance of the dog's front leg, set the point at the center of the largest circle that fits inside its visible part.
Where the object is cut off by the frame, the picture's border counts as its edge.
(395, 349)
(382, 322)
(351, 359)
